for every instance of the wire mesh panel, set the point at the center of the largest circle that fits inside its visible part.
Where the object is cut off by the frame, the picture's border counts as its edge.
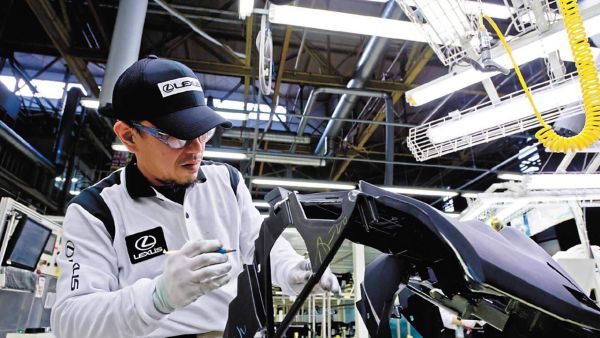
(446, 25)
(526, 14)
(425, 143)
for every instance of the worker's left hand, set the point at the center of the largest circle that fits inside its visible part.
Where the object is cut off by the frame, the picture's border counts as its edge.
(302, 272)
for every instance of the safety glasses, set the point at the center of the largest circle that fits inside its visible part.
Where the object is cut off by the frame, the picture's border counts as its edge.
(171, 141)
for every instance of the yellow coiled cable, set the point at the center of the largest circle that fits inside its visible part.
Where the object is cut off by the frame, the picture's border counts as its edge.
(588, 81)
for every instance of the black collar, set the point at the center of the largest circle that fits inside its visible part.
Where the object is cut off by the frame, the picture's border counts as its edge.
(139, 186)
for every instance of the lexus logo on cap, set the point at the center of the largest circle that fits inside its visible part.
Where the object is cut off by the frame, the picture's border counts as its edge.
(180, 85)
(145, 245)
(145, 242)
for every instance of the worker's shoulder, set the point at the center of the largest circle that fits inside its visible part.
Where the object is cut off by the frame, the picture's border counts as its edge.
(206, 164)
(210, 167)
(92, 193)
(92, 201)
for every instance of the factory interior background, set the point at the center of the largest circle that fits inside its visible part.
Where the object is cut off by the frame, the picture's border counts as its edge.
(417, 97)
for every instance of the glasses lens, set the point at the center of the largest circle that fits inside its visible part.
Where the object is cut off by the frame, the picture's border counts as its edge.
(176, 143)
(207, 136)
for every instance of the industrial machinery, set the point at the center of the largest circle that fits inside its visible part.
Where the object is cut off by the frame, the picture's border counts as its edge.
(29, 246)
(430, 261)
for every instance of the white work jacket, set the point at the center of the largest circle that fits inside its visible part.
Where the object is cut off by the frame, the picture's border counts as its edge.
(115, 234)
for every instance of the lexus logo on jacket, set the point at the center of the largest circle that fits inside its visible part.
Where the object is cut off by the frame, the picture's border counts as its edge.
(145, 245)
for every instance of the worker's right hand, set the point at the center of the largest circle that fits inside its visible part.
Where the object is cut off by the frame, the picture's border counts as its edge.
(190, 273)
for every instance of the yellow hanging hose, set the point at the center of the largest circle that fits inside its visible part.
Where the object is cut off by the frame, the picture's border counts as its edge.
(588, 81)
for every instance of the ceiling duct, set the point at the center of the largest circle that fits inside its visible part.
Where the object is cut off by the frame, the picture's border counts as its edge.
(364, 69)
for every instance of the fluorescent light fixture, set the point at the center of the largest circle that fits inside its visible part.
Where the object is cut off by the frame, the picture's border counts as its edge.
(302, 184)
(90, 103)
(245, 8)
(261, 204)
(233, 116)
(234, 110)
(447, 20)
(314, 162)
(9, 81)
(469, 195)
(48, 89)
(473, 7)
(344, 22)
(45, 88)
(512, 109)
(240, 156)
(269, 136)
(525, 49)
(119, 147)
(510, 176)
(74, 192)
(228, 155)
(562, 181)
(492, 10)
(421, 191)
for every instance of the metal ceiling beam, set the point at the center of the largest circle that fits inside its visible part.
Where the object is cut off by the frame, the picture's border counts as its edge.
(234, 56)
(60, 38)
(294, 77)
(365, 67)
(366, 135)
(98, 23)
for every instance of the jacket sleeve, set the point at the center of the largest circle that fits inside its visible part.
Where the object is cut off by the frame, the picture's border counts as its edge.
(283, 257)
(90, 302)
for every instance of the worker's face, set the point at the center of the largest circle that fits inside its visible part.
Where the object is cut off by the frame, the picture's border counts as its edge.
(161, 164)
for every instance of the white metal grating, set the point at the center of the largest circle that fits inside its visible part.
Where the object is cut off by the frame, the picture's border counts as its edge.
(423, 148)
(446, 25)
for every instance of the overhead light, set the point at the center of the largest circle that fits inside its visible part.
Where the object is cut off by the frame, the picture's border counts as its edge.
(492, 10)
(469, 195)
(245, 8)
(562, 181)
(539, 196)
(235, 110)
(514, 108)
(525, 49)
(302, 184)
(474, 7)
(345, 22)
(261, 204)
(90, 103)
(232, 115)
(228, 155)
(420, 191)
(119, 147)
(74, 192)
(314, 162)
(510, 176)
(237, 155)
(269, 136)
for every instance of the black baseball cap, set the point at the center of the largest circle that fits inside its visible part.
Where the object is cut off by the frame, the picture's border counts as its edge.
(168, 94)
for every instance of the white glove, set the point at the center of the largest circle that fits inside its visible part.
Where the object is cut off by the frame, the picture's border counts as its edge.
(302, 272)
(190, 273)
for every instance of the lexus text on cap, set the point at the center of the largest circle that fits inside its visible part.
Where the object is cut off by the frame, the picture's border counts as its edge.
(166, 93)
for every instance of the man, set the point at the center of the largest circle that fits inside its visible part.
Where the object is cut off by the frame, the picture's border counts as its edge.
(140, 248)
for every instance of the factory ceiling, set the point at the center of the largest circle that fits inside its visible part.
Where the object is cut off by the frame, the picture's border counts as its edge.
(69, 41)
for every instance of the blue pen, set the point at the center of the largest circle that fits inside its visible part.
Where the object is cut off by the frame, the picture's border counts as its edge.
(221, 250)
